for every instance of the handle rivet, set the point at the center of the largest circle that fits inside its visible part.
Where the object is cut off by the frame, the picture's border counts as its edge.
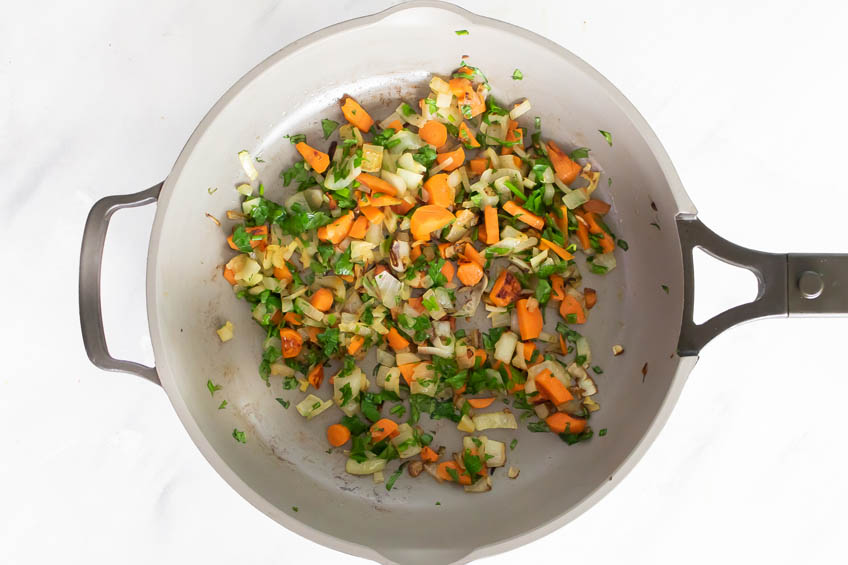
(810, 284)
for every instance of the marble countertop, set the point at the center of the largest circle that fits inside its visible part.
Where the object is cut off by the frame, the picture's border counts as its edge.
(748, 99)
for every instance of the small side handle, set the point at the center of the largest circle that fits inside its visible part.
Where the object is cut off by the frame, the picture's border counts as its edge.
(91, 258)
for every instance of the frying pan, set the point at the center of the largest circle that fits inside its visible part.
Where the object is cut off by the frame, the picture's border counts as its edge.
(284, 464)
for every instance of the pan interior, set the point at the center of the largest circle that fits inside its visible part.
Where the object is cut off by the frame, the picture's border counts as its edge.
(285, 463)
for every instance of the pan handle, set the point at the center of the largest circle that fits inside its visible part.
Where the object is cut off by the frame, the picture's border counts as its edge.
(787, 284)
(91, 257)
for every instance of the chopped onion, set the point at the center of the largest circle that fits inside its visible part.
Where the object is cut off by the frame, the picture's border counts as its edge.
(408, 140)
(423, 380)
(247, 164)
(494, 420)
(582, 345)
(360, 251)
(483, 484)
(367, 467)
(395, 180)
(412, 180)
(310, 310)
(389, 288)
(500, 319)
(407, 162)
(575, 198)
(473, 296)
(405, 358)
(605, 260)
(505, 347)
(495, 452)
(311, 406)
(392, 117)
(519, 110)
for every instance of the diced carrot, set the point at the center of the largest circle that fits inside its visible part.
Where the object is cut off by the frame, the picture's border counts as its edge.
(604, 239)
(570, 305)
(597, 206)
(467, 137)
(396, 341)
(481, 233)
(529, 348)
(433, 132)
(427, 219)
(291, 342)
(417, 304)
(355, 344)
(313, 332)
(374, 215)
(318, 160)
(566, 169)
(359, 228)
(480, 403)
(505, 290)
(383, 428)
(582, 231)
(441, 193)
(428, 455)
(406, 371)
(402, 208)
(557, 284)
(469, 273)
(276, 318)
(282, 273)
(338, 435)
(552, 389)
(331, 202)
(337, 230)
(478, 166)
(396, 125)
(443, 249)
(316, 375)
(513, 133)
(490, 216)
(529, 320)
(473, 256)
(376, 184)
(356, 114)
(292, 318)
(546, 244)
(230, 275)
(562, 346)
(379, 200)
(347, 278)
(481, 353)
(416, 252)
(322, 299)
(524, 215)
(457, 157)
(560, 422)
(461, 474)
(448, 270)
(591, 297)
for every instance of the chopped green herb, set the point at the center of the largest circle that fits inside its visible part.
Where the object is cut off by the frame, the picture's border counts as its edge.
(354, 424)
(294, 508)
(543, 291)
(539, 426)
(607, 135)
(283, 402)
(329, 126)
(461, 32)
(602, 432)
(517, 75)
(289, 383)
(222, 405)
(398, 410)
(296, 138)
(453, 474)
(665, 288)
(329, 341)
(623, 244)
(579, 153)
(212, 387)
(211, 190)
(392, 479)
(239, 436)
(347, 394)
(598, 370)
(656, 225)
(512, 444)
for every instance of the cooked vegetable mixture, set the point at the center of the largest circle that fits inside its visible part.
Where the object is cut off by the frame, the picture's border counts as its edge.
(396, 233)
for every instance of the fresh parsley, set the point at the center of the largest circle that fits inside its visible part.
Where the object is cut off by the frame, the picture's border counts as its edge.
(329, 341)
(283, 402)
(579, 153)
(212, 387)
(517, 75)
(607, 135)
(461, 32)
(239, 436)
(329, 126)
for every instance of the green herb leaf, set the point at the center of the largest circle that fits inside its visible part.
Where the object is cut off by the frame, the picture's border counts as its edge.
(623, 244)
(607, 135)
(453, 474)
(543, 291)
(602, 432)
(665, 288)
(579, 153)
(539, 426)
(394, 477)
(222, 405)
(329, 126)
(347, 393)
(212, 387)
(239, 436)
(283, 402)
(598, 370)
(241, 239)
(461, 32)
(426, 156)
(329, 341)
(517, 75)
(473, 464)
(344, 265)
(512, 444)
(296, 138)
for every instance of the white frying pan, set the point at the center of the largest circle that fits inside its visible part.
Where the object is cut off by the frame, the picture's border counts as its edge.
(284, 464)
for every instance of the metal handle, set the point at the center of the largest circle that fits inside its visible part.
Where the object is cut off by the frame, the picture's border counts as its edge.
(788, 284)
(91, 257)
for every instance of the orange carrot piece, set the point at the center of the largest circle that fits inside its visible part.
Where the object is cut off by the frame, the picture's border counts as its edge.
(582, 231)
(480, 403)
(428, 455)
(441, 193)
(597, 206)
(448, 270)
(359, 228)
(376, 184)
(322, 299)
(318, 160)
(433, 132)
(570, 305)
(402, 208)
(379, 200)
(552, 389)
(313, 332)
(524, 215)
(529, 321)
(230, 275)
(406, 371)
(560, 422)
(443, 249)
(605, 241)
(478, 166)
(427, 219)
(505, 290)
(529, 348)
(336, 231)
(356, 114)
(481, 353)
(557, 284)
(338, 435)
(546, 244)
(473, 256)
(276, 318)
(466, 137)
(355, 344)
(462, 475)
(469, 273)
(457, 157)
(417, 304)
(591, 297)
(493, 234)
(566, 169)
(512, 134)
(293, 319)
(396, 125)
(282, 273)
(316, 375)
(562, 346)
(374, 214)
(383, 428)
(291, 342)
(396, 341)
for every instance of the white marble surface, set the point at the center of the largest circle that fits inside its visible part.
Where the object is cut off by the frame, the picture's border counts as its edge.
(98, 98)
